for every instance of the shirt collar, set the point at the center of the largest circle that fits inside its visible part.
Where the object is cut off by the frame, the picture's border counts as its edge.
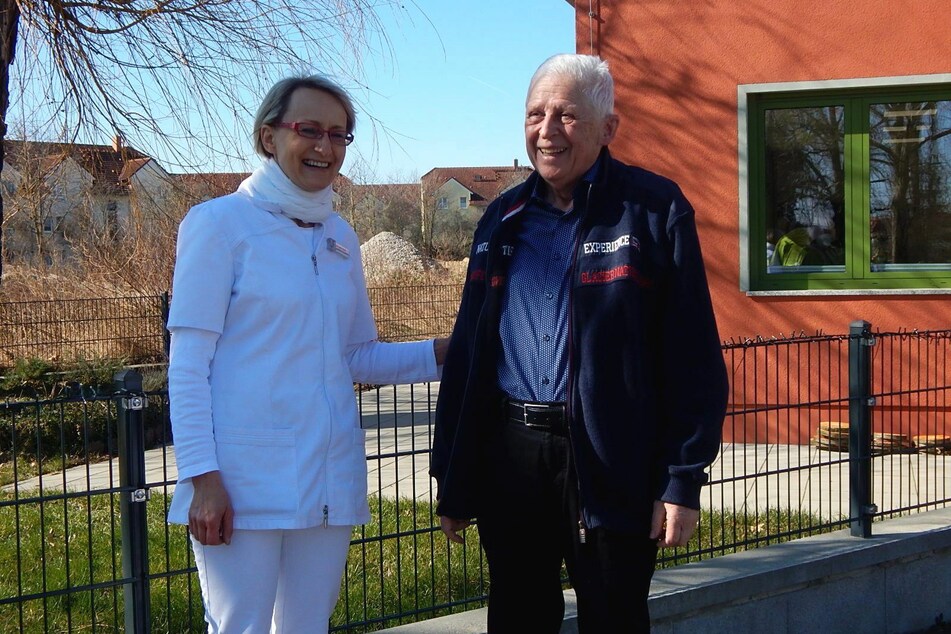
(538, 197)
(590, 176)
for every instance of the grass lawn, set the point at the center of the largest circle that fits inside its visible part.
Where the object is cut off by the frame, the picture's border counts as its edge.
(60, 567)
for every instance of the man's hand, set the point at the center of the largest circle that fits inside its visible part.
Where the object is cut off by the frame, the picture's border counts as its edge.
(673, 525)
(451, 527)
(210, 516)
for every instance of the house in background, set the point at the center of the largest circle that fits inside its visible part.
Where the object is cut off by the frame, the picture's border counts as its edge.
(458, 188)
(452, 199)
(56, 192)
(813, 139)
(196, 188)
(51, 189)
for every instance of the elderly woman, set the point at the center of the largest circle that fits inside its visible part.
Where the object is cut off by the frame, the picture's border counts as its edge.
(271, 325)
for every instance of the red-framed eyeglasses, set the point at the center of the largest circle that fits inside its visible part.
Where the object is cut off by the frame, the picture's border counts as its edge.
(313, 131)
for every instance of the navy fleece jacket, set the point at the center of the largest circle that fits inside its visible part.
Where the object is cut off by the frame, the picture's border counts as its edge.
(647, 381)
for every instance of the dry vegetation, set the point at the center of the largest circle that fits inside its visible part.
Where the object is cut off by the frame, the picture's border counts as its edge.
(67, 313)
(89, 255)
(412, 296)
(410, 311)
(98, 292)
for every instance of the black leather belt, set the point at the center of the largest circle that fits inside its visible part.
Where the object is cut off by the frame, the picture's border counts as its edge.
(547, 417)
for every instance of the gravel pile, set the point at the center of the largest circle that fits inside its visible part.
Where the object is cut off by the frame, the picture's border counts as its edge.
(387, 253)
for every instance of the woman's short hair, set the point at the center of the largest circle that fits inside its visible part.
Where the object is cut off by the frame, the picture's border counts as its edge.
(590, 73)
(277, 99)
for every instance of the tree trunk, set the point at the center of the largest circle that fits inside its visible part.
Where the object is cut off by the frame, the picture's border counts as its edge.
(9, 20)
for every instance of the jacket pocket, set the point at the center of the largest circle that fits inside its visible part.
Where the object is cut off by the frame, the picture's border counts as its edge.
(260, 473)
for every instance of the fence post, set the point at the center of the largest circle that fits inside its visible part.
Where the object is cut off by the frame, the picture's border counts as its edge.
(131, 403)
(861, 508)
(166, 335)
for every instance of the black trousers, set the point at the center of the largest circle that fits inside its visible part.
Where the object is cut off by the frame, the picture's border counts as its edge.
(530, 526)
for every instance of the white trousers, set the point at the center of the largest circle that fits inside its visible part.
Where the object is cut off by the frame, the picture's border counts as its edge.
(277, 581)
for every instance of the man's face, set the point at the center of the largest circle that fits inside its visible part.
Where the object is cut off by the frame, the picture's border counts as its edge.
(563, 135)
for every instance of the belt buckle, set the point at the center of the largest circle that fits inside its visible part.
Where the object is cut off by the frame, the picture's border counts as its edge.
(530, 413)
(546, 413)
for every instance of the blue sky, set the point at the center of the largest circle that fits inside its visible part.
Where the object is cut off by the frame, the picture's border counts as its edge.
(454, 93)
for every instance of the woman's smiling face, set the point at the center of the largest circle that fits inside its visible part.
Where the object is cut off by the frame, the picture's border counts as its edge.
(311, 164)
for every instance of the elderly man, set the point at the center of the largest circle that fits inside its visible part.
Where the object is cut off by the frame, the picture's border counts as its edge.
(584, 390)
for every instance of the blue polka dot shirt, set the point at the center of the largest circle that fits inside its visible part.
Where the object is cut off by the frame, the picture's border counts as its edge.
(534, 324)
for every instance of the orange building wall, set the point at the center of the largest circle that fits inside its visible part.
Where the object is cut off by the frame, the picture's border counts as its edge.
(677, 66)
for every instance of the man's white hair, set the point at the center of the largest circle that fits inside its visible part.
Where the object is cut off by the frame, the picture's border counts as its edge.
(589, 73)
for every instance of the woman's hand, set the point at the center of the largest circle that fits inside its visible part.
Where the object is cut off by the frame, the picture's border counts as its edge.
(210, 517)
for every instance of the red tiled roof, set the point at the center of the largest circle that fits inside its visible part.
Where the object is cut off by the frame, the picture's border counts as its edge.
(131, 167)
(109, 167)
(342, 181)
(406, 191)
(213, 184)
(485, 183)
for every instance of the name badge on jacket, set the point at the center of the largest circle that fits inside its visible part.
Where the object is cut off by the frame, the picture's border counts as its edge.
(336, 247)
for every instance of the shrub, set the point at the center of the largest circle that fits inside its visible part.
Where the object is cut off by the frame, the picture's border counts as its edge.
(51, 418)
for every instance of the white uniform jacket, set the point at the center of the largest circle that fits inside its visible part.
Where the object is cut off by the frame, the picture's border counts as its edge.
(271, 405)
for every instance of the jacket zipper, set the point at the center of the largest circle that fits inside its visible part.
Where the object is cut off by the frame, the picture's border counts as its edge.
(313, 261)
(582, 529)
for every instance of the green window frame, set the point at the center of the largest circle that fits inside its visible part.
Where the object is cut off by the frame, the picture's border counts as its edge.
(851, 127)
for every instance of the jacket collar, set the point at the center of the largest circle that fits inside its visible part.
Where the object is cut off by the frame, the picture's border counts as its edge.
(524, 191)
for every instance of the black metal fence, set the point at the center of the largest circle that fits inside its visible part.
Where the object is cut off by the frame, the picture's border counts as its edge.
(824, 432)
(409, 312)
(65, 330)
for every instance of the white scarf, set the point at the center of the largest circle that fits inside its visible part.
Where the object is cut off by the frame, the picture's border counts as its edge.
(270, 188)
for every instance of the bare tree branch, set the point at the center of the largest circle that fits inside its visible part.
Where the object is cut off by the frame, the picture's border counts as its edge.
(185, 74)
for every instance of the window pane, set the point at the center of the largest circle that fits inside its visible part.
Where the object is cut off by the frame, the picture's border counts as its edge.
(910, 185)
(805, 192)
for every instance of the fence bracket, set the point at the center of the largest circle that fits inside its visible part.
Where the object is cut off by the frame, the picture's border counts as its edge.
(135, 403)
(140, 495)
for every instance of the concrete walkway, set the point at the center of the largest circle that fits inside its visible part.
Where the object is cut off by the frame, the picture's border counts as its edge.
(754, 476)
